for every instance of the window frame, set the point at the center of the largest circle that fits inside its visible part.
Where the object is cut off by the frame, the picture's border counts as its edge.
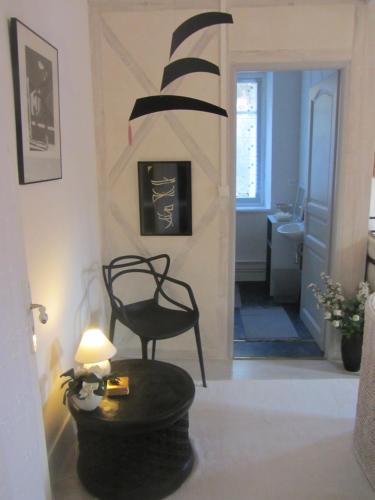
(259, 202)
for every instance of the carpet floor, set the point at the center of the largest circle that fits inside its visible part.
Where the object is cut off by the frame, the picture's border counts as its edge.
(267, 440)
(271, 323)
(264, 328)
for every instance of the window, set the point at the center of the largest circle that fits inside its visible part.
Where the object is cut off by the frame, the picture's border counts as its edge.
(250, 140)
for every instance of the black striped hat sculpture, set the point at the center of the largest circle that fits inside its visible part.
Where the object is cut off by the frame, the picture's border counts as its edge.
(180, 67)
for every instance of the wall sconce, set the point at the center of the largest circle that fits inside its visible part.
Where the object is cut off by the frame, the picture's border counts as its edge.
(43, 316)
(94, 352)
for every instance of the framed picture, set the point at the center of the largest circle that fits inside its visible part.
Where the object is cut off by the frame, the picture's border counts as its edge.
(36, 93)
(165, 198)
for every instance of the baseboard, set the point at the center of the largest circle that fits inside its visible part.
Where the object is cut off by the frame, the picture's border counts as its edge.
(61, 449)
(170, 355)
(250, 270)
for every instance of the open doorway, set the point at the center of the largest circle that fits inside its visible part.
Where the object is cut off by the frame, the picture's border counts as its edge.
(285, 159)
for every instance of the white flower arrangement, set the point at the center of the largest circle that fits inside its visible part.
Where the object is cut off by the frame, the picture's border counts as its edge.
(345, 314)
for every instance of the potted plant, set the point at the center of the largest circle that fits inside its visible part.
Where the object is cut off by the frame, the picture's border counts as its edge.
(84, 387)
(347, 315)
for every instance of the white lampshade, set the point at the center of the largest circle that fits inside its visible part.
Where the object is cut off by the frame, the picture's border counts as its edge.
(94, 347)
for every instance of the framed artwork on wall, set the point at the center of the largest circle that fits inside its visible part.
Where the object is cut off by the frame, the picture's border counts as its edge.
(36, 95)
(165, 198)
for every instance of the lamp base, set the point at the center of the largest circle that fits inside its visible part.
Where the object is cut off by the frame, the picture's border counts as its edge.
(102, 368)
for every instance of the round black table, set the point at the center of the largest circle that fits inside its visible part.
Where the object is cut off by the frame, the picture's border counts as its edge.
(137, 447)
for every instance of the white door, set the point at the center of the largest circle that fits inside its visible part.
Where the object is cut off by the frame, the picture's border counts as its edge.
(318, 214)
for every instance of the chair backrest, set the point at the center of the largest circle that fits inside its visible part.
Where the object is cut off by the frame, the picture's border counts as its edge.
(131, 264)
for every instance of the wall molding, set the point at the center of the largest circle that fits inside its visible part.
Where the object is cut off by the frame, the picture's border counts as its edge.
(60, 451)
(250, 270)
(290, 59)
(160, 5)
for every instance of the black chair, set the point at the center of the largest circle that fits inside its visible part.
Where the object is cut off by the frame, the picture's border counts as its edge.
(147, 318)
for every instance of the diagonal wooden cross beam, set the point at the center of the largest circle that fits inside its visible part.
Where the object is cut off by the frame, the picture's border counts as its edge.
(128, 230)
(207, 218)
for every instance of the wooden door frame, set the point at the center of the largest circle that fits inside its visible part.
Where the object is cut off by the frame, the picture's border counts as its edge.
(350, 215)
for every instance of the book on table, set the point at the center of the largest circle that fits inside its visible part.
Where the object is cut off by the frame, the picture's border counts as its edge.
(118, 386)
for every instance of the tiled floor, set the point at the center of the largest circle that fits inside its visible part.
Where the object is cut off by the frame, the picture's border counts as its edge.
(255, 294)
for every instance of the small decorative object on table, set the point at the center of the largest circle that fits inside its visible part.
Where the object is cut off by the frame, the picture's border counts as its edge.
(347, 315)
(118, 386)
(94, 351)
(85, 388)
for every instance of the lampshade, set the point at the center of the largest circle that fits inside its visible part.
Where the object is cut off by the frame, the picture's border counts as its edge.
(94, 347)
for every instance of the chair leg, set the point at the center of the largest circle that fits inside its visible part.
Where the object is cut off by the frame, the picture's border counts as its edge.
(153, 348)
(112, 325)
(200, 354)
(144, 348)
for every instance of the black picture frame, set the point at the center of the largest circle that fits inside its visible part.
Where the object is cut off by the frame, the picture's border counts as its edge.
(37, 108)
(165, 198)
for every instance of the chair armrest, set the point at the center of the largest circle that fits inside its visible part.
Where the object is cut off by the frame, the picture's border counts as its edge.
(114, 300)
(184, 285)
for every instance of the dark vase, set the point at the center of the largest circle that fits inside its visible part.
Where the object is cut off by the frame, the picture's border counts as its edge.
(351, 352)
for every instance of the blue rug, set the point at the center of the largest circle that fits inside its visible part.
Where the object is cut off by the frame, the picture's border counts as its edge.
(266, 323)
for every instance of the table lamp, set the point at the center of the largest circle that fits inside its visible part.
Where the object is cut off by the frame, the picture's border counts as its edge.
(94, 350)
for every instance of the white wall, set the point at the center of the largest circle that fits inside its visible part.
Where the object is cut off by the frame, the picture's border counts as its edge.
(290, 27)
(60, 218)
(251, 227)
(372, 206)
(129, 52)
(23, 454)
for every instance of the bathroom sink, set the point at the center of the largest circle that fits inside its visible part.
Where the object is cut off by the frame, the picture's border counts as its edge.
(292, 230)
